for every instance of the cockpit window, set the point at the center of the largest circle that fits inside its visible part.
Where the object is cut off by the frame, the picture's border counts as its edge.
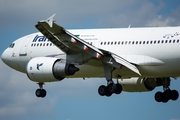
(12, 45)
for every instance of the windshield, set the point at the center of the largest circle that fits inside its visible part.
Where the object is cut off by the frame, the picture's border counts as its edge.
(12, 45)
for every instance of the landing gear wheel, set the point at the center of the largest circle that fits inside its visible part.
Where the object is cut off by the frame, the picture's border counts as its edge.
(38, 92)
(111, 88)
(167, 94)
(165, 99)
(174, 95)
(43, 93)
(118, 89)
(108, 94)
(158, 96)
(102, 90)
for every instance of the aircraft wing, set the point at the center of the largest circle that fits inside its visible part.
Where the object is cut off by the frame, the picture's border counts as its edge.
(69, 43)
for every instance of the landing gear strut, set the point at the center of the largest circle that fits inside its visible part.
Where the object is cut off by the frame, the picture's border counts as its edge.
(40, 92)
(168, 94)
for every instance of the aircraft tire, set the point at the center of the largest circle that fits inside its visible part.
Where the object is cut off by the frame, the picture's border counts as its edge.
(38, 92)
(174, 95)
(158, 96)
(111, 88)
(108, 94)
(118, 89)
(167, 94)
(102, 90)
(43, 93)
(165, 100)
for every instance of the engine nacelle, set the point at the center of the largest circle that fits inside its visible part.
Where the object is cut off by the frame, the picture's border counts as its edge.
(48, 69)
(138, 84)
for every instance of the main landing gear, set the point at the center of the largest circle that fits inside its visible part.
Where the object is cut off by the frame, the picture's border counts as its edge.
(40, 92)
(110, 89)
(168, 94)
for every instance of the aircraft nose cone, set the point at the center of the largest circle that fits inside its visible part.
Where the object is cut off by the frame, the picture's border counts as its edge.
(4, 56)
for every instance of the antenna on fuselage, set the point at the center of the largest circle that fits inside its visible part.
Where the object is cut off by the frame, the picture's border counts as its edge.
(129, 26)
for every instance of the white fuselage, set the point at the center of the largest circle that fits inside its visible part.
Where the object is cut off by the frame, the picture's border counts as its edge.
(155, 51)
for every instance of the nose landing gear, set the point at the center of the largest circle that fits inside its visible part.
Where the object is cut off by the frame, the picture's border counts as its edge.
(40, 92)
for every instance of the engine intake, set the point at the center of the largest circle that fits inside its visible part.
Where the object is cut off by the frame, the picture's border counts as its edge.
(47, 69)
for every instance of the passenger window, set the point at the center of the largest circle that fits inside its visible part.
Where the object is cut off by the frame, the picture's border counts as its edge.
(41, 44)
(101, 43)
(140, 42)
(162, 41)
(119, 42)
(104, 43)
(174, 41)
(169, 41)
(158, 41)
(136, 42)
(44, 44)
(115, 43)
(38, 44)
(111, 43)
(31, 44)
(50, 44)
(151, 42)
(34, 44)
(177, 41)
(126, 42)
(47, 44)
(166, 41)
(133, 42)
(108, 43)
(147, 42)
(154, 42)
(144, 42)
(129, 42)
(122, 43)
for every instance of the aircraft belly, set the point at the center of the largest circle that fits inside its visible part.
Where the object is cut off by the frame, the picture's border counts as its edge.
(171, 68)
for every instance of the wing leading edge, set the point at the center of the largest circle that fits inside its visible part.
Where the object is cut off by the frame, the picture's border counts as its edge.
(70, 44)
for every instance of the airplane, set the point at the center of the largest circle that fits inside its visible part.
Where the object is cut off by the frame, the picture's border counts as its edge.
(140, 59)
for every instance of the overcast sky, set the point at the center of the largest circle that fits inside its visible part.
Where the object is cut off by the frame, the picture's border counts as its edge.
(77, 99)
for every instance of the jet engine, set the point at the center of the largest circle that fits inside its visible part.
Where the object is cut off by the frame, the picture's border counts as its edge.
(139, 84)
(48, 69)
